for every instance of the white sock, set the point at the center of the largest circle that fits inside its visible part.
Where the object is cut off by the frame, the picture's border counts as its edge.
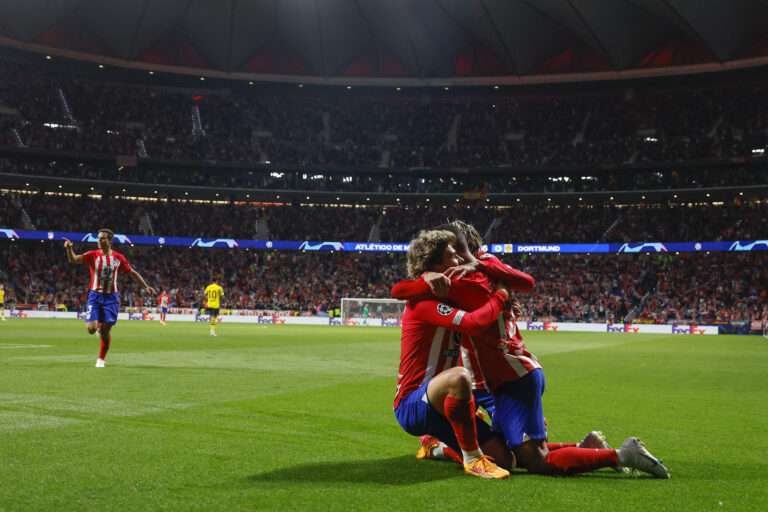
(437, 451)
(471, 456)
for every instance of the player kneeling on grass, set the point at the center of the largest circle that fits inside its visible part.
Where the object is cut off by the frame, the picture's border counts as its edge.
(434, 396)
(103, 305)
(514, 375)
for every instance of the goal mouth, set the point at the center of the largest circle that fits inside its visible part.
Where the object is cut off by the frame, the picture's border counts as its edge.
(370, 312)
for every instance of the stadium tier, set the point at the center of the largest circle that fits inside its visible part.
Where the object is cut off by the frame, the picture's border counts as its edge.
(542, 223)
(392, 129)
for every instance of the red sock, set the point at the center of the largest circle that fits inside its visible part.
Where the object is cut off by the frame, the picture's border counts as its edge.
(105, 341)
(461, 415)
(556, 446)
(453, 454)
(573, 460)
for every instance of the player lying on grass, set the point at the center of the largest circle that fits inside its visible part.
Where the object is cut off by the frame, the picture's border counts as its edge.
(514, 376)
(434, 396)
(103, 304)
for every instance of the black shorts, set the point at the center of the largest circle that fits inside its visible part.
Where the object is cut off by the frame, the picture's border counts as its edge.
(212, 311)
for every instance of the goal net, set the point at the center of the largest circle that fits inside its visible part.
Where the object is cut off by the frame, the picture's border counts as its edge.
(371, 312)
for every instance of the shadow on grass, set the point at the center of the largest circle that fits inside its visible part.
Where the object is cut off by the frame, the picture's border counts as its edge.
(403, 470)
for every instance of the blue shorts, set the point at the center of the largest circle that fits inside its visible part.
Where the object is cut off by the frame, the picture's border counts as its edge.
(164, 310)
(417, 417)
(519, 410)
(103, 307)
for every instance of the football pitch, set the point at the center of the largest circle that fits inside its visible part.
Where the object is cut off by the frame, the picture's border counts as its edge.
(300, 418)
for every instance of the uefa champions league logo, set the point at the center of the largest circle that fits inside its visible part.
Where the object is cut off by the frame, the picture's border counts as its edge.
(755, 245)
(219, 242)
(121, 239)
(643, 247)
(321, 246)
(9, 233)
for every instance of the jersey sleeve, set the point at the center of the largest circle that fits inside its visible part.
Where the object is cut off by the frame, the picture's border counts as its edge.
(412, 289)
(443, 315)
(516, 280)
(124, 262)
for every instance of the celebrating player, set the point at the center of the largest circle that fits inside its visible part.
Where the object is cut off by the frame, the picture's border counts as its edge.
(434, 396)
(163, 300)
(103, 305)
(515, 377)
(213, 295)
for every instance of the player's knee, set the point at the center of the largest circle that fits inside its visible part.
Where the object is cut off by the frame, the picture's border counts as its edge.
(459, 381)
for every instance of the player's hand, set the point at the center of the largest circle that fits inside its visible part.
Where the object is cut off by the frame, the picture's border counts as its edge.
(438, 283)
(150, 290)
(67, 243)
(461, 270)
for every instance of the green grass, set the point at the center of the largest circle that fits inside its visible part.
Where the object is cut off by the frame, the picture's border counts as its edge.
(299, 418)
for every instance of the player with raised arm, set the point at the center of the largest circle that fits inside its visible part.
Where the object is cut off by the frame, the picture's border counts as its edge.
(163, 301)
(103, 304)
(515, 377)
(213, 295)
(434, 396)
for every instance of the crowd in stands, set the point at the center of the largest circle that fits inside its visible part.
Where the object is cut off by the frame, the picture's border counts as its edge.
(524, 223)
(518, 138)
(269, 178)
(651, 288)
(470, 128)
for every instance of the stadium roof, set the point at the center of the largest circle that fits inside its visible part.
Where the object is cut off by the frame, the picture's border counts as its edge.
(414, 41)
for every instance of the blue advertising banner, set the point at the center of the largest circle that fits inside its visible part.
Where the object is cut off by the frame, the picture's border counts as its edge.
(312, 246)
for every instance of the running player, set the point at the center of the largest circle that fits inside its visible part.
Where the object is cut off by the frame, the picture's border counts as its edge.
(434, 396)
(103, 305)
(213, 295)
(516, 379)
(163, 300)
(2, 302)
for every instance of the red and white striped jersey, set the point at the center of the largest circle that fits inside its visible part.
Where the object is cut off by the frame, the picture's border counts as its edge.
(498, 354)
(104, 269)
(428, 343)
(162, 300)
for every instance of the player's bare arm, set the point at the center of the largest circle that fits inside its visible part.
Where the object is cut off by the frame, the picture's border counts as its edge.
(139, 279)
(71, 256)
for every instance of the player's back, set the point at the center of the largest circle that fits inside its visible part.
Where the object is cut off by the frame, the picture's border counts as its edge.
(498, 354)
(213, 294)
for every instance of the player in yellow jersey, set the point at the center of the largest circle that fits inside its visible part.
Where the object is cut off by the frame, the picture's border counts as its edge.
(2, 302)
(213, 295)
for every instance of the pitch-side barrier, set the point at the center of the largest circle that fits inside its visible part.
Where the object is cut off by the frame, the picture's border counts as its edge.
(273, 319)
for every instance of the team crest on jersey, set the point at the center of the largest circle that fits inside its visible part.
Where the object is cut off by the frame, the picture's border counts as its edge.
(444, 309)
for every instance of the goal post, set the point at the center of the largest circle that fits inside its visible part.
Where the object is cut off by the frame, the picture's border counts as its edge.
(364, 311)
